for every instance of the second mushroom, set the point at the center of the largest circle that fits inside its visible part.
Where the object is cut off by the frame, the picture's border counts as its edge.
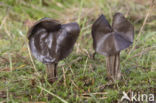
(110, 40)
(51, 41)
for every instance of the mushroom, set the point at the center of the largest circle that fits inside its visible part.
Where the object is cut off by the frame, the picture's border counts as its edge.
(50, 42)
(110, 40)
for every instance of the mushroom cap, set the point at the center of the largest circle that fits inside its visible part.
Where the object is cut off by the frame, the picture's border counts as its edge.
(109, 40)
(50, 41)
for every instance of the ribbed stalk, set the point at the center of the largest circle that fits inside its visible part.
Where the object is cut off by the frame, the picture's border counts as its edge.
(52, 72)
(113, 67)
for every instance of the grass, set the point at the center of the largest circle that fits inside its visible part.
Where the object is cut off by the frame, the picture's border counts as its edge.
(80, 78)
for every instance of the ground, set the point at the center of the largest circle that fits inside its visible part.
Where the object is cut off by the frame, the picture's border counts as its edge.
(80, 78)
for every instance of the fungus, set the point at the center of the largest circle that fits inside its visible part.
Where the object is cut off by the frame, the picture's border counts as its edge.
(110, 40)
(50, 42)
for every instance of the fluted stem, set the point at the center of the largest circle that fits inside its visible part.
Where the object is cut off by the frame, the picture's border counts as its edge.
(113, 67)
(51, 72)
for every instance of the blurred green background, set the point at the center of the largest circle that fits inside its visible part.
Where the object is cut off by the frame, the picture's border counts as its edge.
(80, 78)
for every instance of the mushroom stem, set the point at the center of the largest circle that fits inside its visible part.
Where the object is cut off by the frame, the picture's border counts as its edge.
(113, 67)
(51, 72)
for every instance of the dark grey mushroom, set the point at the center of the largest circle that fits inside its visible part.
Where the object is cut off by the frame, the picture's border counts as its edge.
(50, 42)
(110, 40)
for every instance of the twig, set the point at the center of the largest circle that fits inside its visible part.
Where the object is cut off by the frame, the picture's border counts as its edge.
(85, 50)
(97, 93)
(3, 21)
(32, 61)
(72, 71)
(64, 101)
(75, 85)
(142, 27)
(85, 66)
(102, 98)
(145, 20)
(23, 59)
(74, 61)
(142, 52)
(90, 97)
(64, 76)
